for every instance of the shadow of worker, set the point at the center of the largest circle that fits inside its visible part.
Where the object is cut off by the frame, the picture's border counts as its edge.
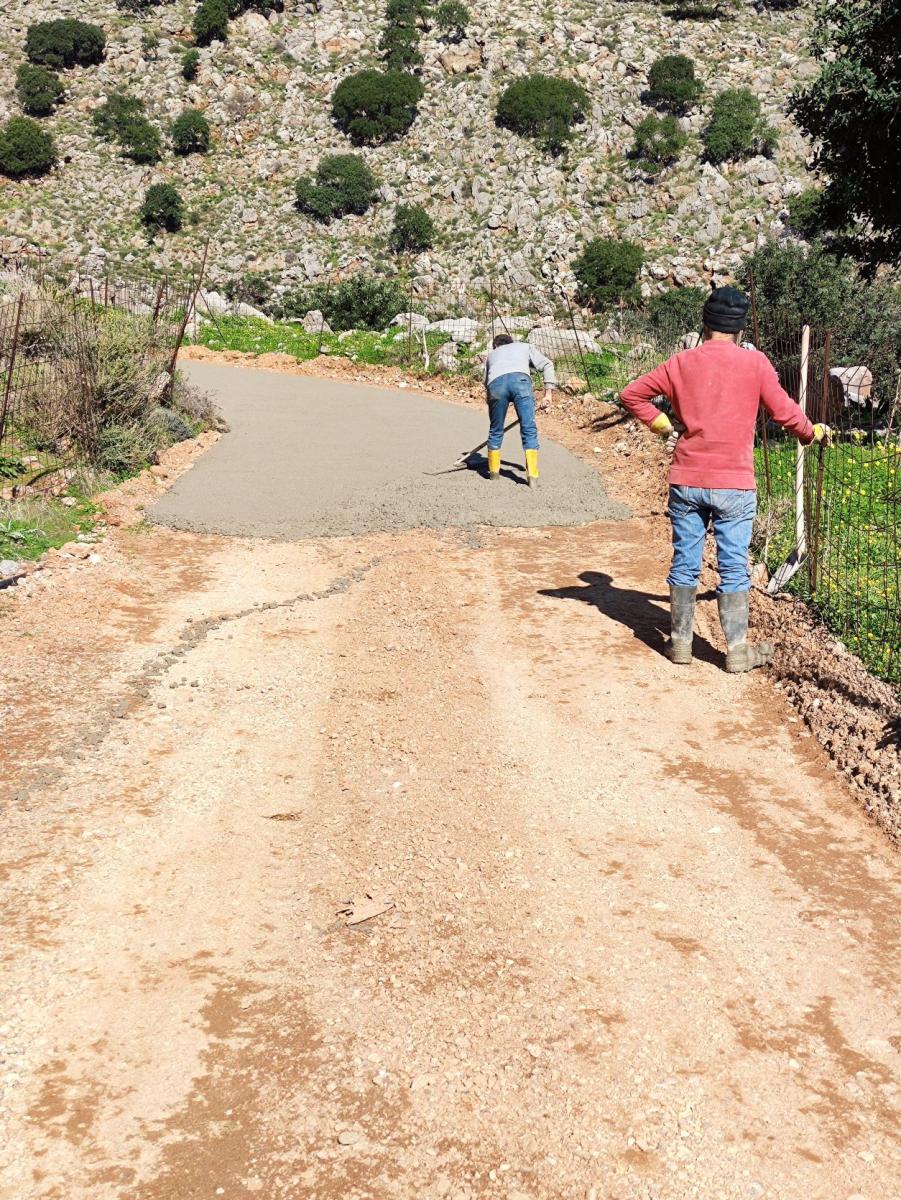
(637, 611)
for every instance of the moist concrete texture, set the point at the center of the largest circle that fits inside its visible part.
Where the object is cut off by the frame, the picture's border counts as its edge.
(311, 457)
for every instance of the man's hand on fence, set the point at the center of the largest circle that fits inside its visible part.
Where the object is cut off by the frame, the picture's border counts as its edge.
(822, 434)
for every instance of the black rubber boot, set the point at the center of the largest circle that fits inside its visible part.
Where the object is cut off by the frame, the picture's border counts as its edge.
(682, 620)
(741, 656)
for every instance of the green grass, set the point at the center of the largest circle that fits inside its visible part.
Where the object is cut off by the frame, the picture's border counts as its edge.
(253, 336)
(28, 528)
(858, 592)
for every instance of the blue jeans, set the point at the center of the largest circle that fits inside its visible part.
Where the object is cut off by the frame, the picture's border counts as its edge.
(731, 511)
(512, 389)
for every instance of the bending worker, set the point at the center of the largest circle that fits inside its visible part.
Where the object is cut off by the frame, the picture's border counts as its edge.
(715, 391)
(508, 380)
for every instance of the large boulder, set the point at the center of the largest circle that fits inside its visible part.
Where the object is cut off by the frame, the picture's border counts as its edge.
(460, 62)
(315, 322)
(511, 325)
(856, 384)
(411, 320)
(460, 329)
(558, 341)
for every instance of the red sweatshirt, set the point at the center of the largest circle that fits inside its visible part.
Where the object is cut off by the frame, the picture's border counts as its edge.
(715, 391)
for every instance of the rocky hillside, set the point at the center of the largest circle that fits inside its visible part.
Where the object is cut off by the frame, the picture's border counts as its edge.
(499, 204)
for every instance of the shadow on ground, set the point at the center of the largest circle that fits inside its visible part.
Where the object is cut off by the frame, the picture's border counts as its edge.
(638, 611)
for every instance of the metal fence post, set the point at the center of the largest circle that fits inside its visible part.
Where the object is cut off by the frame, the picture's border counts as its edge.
(7, 391)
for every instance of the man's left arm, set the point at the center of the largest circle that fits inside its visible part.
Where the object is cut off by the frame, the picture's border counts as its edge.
(542, 363)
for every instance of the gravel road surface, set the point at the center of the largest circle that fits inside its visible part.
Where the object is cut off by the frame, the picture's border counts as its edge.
(403, 866)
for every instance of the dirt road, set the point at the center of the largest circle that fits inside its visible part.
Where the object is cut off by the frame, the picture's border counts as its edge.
(642, 946)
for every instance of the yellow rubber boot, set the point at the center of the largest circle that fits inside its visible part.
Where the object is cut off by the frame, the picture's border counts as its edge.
(532, 467)
(494, 464)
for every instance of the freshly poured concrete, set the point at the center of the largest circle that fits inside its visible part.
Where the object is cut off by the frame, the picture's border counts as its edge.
(312, 457)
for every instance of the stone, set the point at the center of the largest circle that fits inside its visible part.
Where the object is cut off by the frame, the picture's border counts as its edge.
(461, 329)
(411, 320)
(314, 322)
(8, 568)
(349, 1137)
(459, 62)
(558, 340)
(856, 383)
(446, 357)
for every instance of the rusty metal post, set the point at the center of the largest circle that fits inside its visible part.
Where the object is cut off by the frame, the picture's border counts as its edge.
(572, 321)
(7, 390)
(815, 541)
(761, 412)
(189, 308)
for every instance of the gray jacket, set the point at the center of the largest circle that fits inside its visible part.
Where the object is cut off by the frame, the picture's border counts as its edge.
(518, 358)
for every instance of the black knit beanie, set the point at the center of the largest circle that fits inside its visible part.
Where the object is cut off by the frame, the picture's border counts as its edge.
(726, 310)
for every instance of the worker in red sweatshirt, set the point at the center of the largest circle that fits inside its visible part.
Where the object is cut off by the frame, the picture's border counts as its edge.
(715, 391)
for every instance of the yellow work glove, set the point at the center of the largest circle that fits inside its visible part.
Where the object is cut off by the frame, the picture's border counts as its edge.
(822, 433)
(661, 425)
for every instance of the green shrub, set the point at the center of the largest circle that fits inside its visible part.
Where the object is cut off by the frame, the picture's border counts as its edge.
(111, 119)
(163, 208)
(376, 106)
(121, 118)
(737, 128)
(399, 45)
(360, 302)
(406, 12)
(150, 43)
(25, 148)
(696, 9)
(677, 311)
(543, 107)
(191, 133)
(658, 141)
(805, 213)
(39, 90)
(672, 83)
(607, 270)
(138, 6)
(142, 141)
(65, 43)
(190, 64)
(256, 288)
(413, 229)
(342, 184)
(451, 19)
(211, 22)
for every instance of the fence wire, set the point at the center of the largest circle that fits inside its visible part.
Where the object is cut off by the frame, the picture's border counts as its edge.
(54, 392)
(837, 508)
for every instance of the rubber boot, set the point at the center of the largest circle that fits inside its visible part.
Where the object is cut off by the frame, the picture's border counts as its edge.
(740, 655)
(682, 620)
(532, 467)
(494, 464)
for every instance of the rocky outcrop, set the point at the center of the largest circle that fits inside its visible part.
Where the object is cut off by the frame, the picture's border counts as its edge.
(499, 206)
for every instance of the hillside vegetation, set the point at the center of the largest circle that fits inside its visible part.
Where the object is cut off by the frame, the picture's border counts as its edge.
(517, 190)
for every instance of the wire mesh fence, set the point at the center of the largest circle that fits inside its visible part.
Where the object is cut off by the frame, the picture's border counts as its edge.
(78, 352)
(829, 515)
